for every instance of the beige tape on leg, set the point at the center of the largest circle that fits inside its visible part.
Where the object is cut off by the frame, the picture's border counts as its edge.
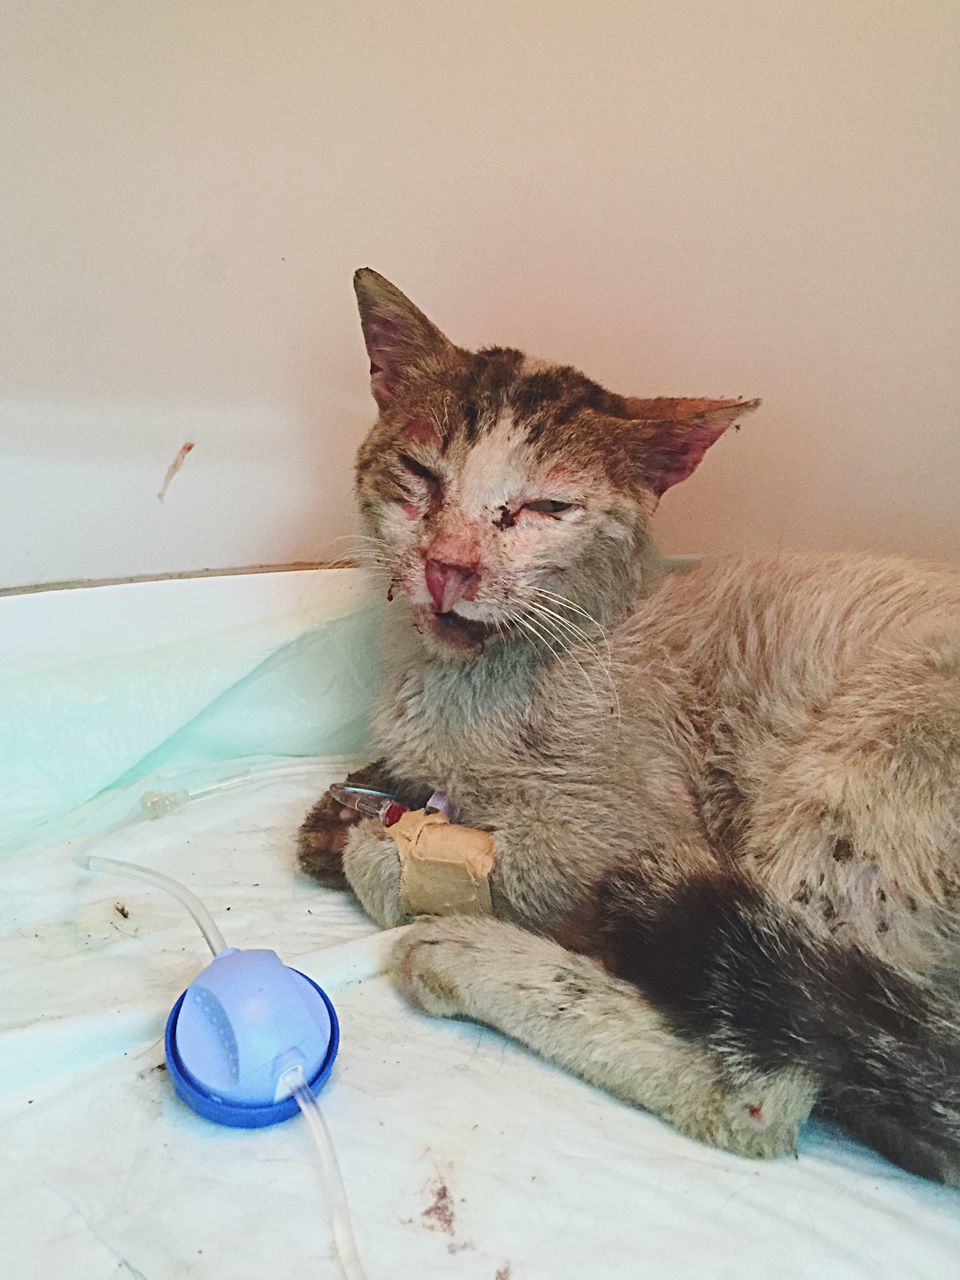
(444, 868)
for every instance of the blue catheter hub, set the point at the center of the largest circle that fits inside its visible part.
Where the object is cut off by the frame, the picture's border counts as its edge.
(241, 1024)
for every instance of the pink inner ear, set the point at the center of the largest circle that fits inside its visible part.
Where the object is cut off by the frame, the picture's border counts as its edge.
(380, 333)
(677, 448)
(380, 336)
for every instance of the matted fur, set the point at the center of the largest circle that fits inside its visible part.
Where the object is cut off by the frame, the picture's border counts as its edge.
(737, 787)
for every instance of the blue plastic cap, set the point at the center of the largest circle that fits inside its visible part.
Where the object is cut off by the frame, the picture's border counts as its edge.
(244, 1021)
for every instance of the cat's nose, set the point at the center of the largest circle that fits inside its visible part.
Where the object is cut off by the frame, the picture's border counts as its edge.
(448, 583)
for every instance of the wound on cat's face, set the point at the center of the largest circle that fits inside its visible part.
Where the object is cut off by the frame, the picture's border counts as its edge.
(509, 496)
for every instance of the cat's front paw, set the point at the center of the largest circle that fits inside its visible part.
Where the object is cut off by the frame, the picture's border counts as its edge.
(323, 834)
(322, 839)
(372, 867)
(431, 964)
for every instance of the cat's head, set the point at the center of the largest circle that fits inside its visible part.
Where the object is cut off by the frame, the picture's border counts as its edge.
(504, 493)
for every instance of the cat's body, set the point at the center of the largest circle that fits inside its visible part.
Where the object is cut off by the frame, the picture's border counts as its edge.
(729, 820)
(739, 692)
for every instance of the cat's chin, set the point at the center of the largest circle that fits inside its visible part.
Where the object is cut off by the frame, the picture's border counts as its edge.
(454, 634)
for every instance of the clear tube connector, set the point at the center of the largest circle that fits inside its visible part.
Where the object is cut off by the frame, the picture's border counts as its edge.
(369, 803)
(157, 804)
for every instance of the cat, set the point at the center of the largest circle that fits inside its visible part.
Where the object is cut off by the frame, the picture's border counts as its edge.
(725, 798)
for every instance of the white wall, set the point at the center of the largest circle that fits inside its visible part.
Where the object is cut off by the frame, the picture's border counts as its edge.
(680, 196)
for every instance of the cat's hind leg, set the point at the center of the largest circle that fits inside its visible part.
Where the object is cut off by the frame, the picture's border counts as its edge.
(571, 1011)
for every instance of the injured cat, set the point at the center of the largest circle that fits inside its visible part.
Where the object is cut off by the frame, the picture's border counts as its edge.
(724, 801)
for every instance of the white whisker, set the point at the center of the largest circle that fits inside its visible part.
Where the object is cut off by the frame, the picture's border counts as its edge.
(358, 553)
(571, 628)
(567, 603)
(564, 603)
(546, 614)
(565, 647)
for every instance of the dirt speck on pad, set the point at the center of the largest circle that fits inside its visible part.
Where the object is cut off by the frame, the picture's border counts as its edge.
(149, 1071)
(121, 910)
(439, 1214)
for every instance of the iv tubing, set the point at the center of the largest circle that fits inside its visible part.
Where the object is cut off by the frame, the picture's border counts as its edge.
(155, 804)
(205, 922)
(334, 1190)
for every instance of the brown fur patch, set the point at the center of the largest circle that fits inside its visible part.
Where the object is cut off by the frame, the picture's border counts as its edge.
(842, 850)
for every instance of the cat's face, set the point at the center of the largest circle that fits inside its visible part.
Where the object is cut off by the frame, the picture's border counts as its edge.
(508, 498)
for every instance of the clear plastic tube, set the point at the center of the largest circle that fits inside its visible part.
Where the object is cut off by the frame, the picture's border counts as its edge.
(254, 776)
(204, 920)
(335, 1193)
(157, 804)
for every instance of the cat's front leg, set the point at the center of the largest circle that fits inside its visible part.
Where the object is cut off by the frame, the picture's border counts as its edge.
(371, 865)
(373, 870)
(570, 1010)
(532, 880)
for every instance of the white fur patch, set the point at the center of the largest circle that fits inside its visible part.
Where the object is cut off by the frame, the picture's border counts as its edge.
(496, 469)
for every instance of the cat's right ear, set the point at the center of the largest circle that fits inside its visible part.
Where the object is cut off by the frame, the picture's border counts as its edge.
(397, 334)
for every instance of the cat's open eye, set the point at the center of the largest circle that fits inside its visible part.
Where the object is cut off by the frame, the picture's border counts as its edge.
(548, 506)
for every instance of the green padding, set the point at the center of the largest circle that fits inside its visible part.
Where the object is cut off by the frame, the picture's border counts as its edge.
(267, 690)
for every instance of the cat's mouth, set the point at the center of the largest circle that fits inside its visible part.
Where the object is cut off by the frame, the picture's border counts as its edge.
(457, 632)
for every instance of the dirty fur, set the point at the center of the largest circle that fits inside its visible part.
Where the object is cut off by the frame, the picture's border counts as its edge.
(726, 801)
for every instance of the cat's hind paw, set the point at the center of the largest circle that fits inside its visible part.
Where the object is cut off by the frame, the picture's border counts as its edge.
(432, 963)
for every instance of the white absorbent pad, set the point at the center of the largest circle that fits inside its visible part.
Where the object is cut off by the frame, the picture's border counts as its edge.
(463, 1154)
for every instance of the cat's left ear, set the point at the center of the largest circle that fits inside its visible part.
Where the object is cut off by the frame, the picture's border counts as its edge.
(397, 334)
(675, 434)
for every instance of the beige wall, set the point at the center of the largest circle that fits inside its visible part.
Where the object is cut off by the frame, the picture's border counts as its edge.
(681, 196)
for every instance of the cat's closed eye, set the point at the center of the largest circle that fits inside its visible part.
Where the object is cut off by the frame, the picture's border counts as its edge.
(419, 470)
(548, 506)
